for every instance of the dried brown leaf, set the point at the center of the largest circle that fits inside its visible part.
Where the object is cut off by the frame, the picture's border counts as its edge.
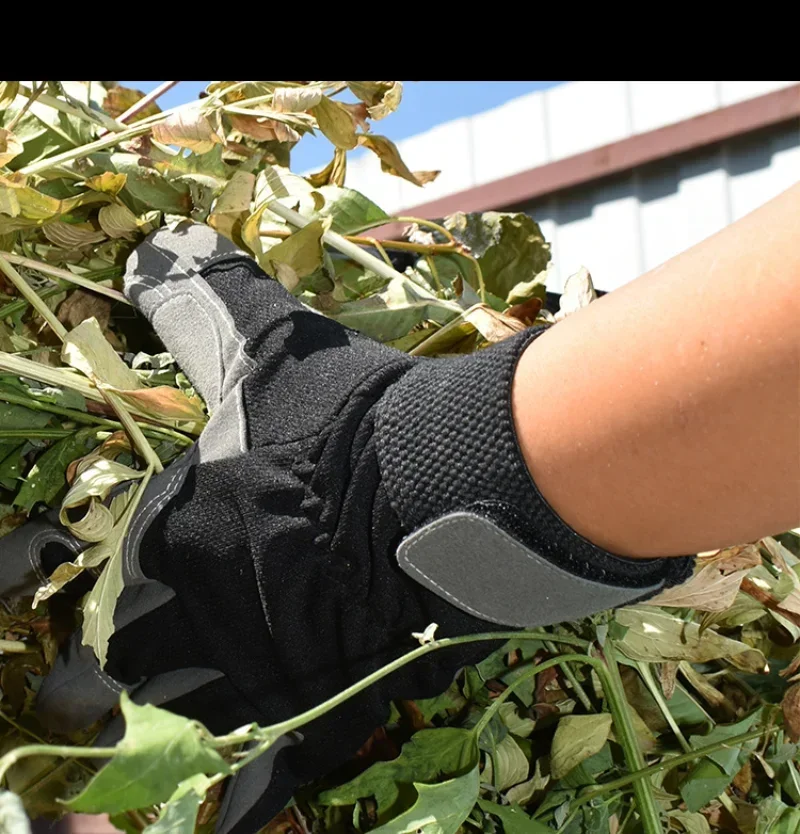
(119, 99)
(10, 146)
(381, 97)
(790, 706)
(333, 173)
(263, 128)
(493, 326)
(668, 677)
(358, 112)
(80, 305)
(708, 590)
(188, 128)
(391, 161)
(731, 559)
(296, 99)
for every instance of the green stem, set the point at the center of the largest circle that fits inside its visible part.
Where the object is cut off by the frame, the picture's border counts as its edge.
(33, 298)
(59, 377)
(32, 96)
(64, 275)
(13, 307)
(100, 118)
(34, 434)
(580, 692)
(658, 697)
(626, 735)
(63, 750)
(669, 764)
(134, 432)
(356, 253)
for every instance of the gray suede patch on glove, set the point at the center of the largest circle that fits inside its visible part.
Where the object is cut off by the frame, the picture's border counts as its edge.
(473, 564)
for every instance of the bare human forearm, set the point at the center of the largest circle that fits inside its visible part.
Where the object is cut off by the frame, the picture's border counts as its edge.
(664, 418)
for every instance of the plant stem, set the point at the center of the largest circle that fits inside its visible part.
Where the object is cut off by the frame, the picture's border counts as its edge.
(658, 697)
(134, 432)
(66, 108)
(400, 245)
(64, 750)
(33, 298)
(357, 254)
(49, 376)
(65, 275)
(14, 307)
(32, 96)
(34, 434)
(152, 96)
(580, 692)
(669, 764)
(420, 221)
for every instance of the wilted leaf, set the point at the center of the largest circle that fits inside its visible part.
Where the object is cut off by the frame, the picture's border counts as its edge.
(653, 636)
(87, 349)
(578, 292)
(336, 123)
(119, 99)
(391, 161)
(691, 822)
(493, 326)
(790, 706)
(514, 819)
(297, 99)
(47, 476)
(381, 97)
(80, 305)
(519, 726)
(439, 809)
(428, 755)
(187, 128)
(263, 128)
(577, 738)
(297, 256)
(510, 249)
(13, 819)
(179, 815)
(26, 207)
(333, 173)
(393, 312)
(72, 235)
(10, 146)
(710, 589)
(702, 686)
(159, 751)
(162, 402)
(107, 182)
(118, 221)
(233, 203)
(8, 92)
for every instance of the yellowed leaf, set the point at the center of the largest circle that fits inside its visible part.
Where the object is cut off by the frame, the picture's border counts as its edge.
(107, 182)
(391, 161)
(301, 253)
(10, 146)
(381, 97)
(72, 235)
(187, 128)
(162, 402)
(233, 203)
(88, 350)
(336, 123)
(333, 173)
(790, 705)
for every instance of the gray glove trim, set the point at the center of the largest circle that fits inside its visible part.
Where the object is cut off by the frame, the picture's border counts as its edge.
(162, 278)
(473, 564)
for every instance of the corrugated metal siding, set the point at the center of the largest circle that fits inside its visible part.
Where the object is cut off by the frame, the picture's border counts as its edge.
(623, 226)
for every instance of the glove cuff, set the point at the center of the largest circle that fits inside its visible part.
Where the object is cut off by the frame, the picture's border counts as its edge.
(479, 532)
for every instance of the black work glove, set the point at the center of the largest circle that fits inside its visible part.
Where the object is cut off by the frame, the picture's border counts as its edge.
(342, 496)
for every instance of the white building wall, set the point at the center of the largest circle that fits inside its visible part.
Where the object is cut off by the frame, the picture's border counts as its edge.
(621, 226)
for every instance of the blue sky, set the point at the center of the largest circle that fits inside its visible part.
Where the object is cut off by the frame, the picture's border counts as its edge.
(425, 104)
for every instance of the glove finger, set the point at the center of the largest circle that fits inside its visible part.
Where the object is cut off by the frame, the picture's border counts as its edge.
(29, 554)
(77, 692)
(257, 792)
(203, 315)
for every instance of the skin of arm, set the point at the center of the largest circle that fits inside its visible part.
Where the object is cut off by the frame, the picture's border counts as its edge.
(664, 418)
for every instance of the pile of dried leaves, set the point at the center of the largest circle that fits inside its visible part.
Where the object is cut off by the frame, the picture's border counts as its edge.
(677, 715)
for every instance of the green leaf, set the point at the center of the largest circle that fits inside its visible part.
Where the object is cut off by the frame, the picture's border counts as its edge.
(19, 417)
(48, 475)
(514, 819)
(510, 248)
(158, 752)
(691, 821)
(439, 809)
(654, 636)
(394, 311)
(730, 759)
(518, 725)
(776, 818)
(577, 737)
(179, 815)
(507, 766)
(705, 782)
(427, 756)
(352, 213)
(13, 819)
